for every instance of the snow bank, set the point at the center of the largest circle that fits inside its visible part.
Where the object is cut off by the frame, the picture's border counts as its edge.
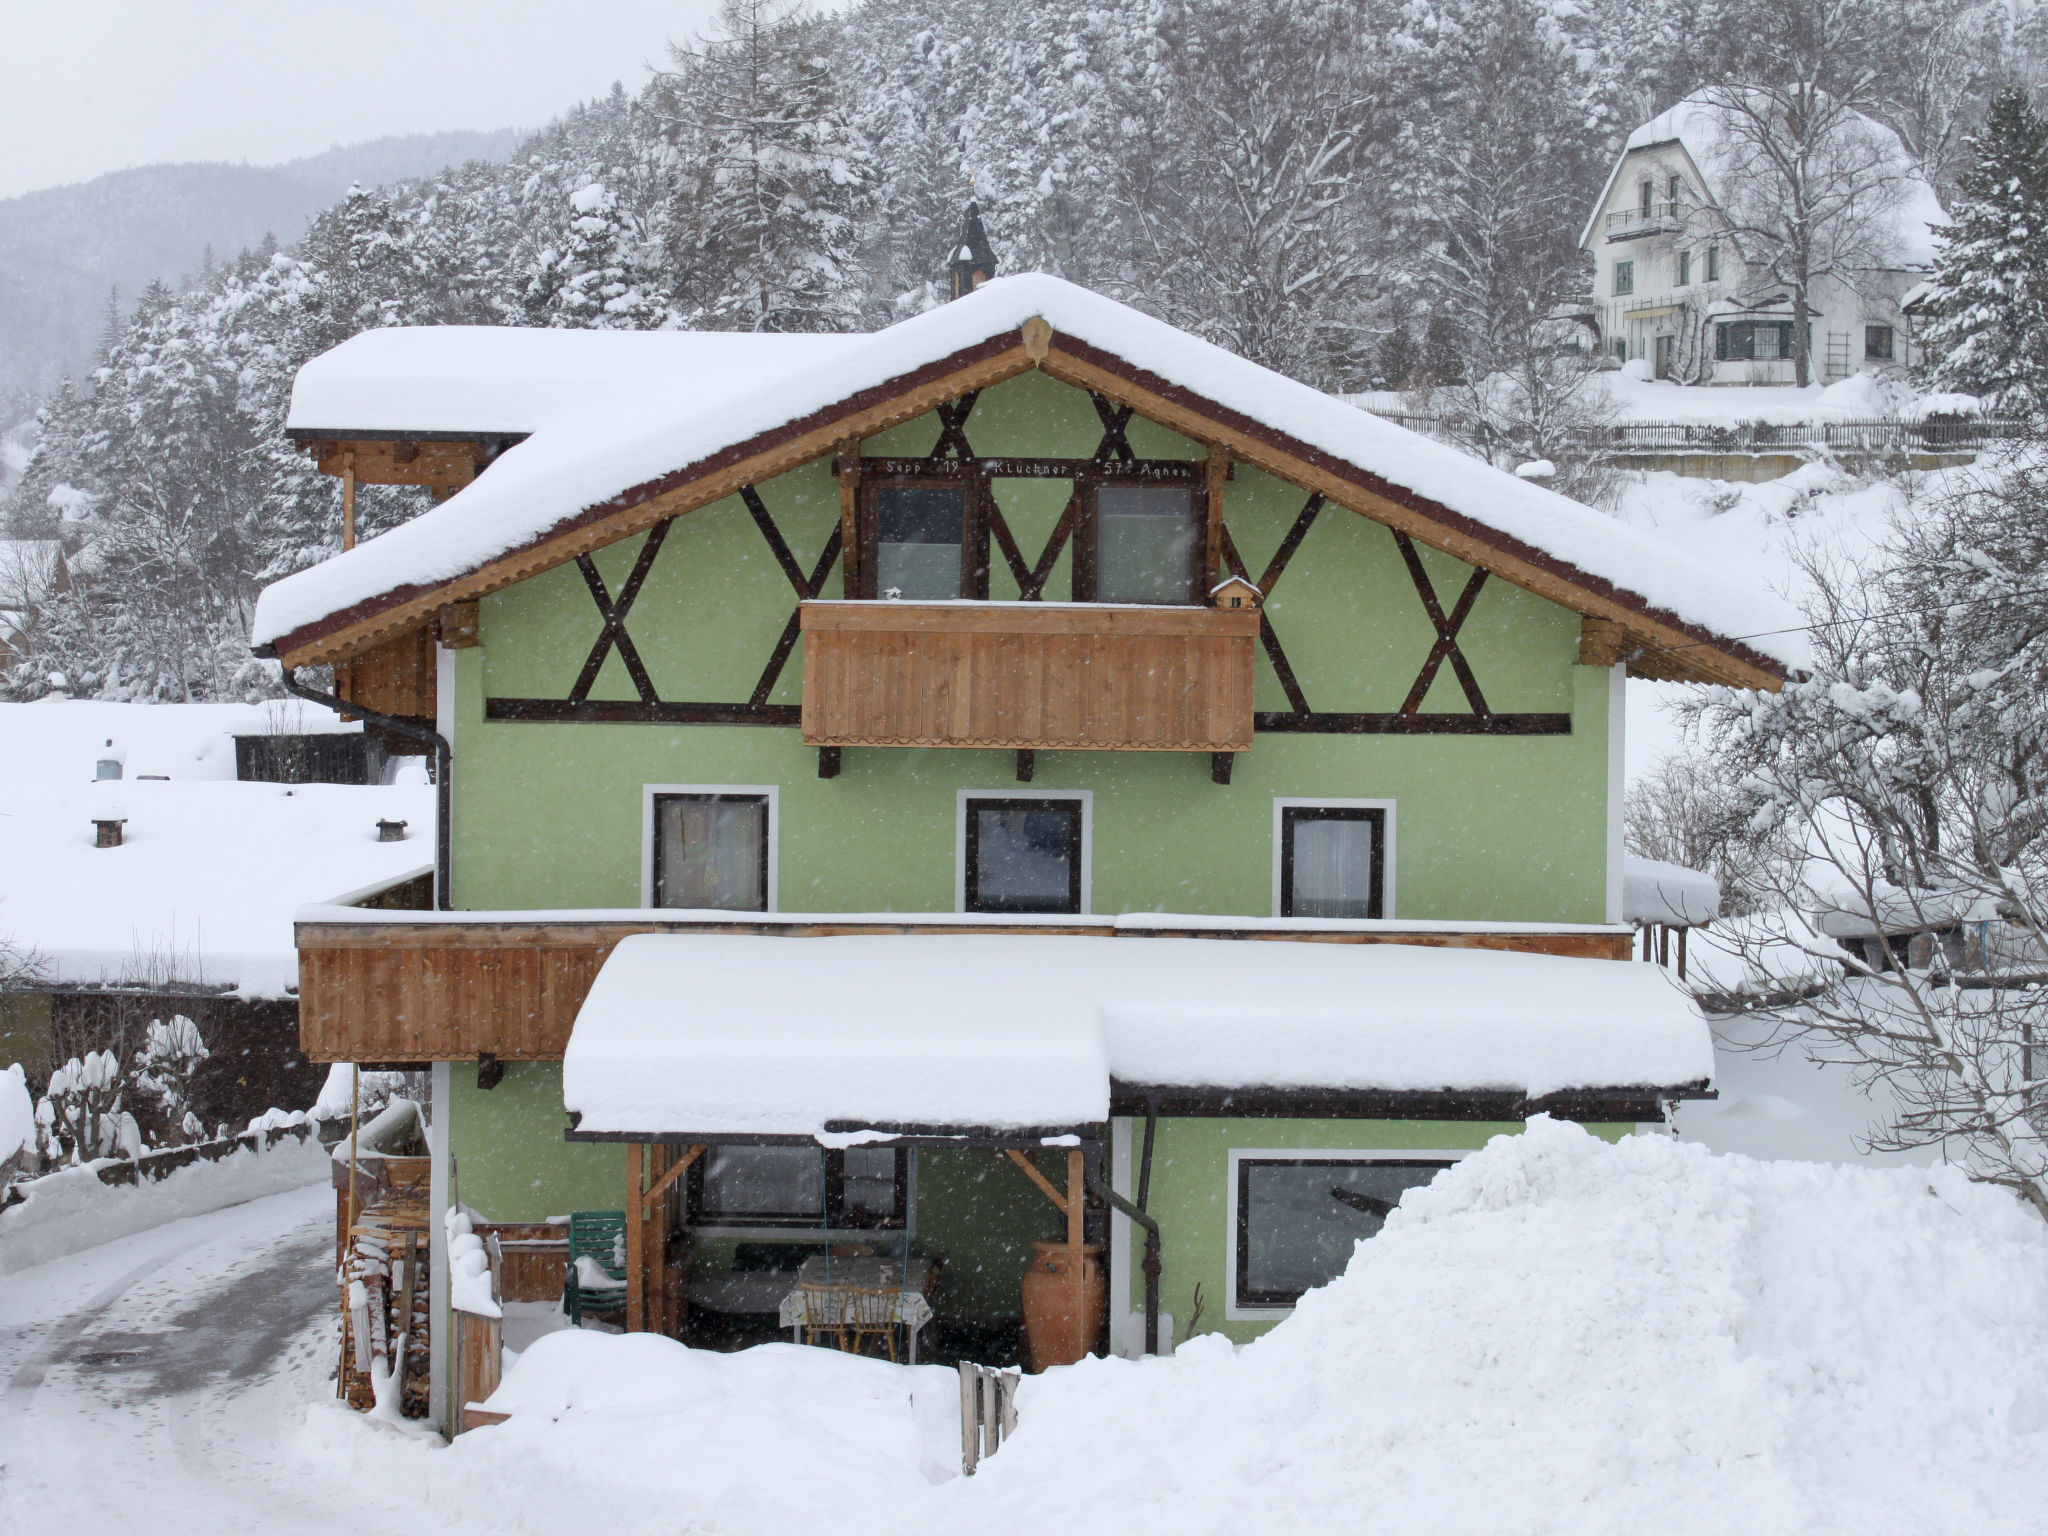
(17, 1115)
(1557, 1335)
(71, 1210)
(597, 457)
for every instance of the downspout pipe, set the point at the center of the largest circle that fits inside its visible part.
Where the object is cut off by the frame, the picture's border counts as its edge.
(444, 763)
(1138, 1214)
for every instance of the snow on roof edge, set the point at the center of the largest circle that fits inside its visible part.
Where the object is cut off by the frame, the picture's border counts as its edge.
(593, 468)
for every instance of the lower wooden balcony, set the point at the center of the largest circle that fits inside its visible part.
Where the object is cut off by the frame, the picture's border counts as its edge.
(1033, 676)
(394, 988)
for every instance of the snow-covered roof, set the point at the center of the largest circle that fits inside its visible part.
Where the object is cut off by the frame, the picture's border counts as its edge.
(599, 462)
(508, 381)
(741, 1034)
(209, 870)
(1700, 126)
(1655, 892)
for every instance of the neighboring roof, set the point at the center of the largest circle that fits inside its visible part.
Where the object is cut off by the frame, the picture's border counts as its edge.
(1699, 126)
(1655, 892)
(209, 870)
(601, 474)
(508, 381)
(749, 1035)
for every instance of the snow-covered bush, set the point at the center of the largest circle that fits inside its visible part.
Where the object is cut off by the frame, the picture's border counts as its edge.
(81, 1116)
(171, 1053)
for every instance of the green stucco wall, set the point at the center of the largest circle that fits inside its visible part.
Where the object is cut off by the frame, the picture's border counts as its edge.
(1486, 828)
(511, 1163)
(1191, 1196)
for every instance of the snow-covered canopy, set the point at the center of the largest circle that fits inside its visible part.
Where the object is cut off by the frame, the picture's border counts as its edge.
(508, 381)
(1893, 911)
(628, 449)
(746, 1035)
(1700, 126)
(1655, 892)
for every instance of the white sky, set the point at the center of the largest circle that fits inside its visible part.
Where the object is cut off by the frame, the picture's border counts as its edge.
(98, 85)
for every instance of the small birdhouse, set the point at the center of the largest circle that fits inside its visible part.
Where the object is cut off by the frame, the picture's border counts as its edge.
(1235, 592)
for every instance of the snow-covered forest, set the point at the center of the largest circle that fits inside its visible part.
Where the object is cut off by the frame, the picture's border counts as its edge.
(1372, 195)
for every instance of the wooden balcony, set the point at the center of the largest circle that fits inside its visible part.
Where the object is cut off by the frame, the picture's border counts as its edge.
(397, 987)
(1034, 676)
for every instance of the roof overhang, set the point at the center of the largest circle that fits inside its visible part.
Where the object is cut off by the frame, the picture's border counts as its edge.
(1657, 642)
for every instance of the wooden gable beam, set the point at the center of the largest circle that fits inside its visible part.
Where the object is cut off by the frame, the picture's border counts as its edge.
(401, 461)
(607, 524)
(1671, 651)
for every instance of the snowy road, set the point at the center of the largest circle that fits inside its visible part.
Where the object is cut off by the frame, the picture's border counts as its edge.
(155, 1383)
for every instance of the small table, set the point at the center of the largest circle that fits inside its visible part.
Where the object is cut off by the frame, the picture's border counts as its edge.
(907, 1282)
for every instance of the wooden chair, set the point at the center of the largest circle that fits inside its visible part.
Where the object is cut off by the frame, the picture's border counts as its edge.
(597, 1247)
(853, 1314)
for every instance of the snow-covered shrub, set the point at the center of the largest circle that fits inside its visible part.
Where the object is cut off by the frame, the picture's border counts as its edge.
(81, 1116)
(171, 1054)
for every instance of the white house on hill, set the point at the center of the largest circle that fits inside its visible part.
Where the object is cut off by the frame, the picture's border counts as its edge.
(1684, 276)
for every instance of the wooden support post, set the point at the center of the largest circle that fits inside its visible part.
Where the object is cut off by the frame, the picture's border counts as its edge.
(847, 467)
(1077, 1291)
(828, 762)
(1027, 764)
(348, 500)
(1218, 473)
(1681, 952)
(1220, 764)
(636, 1237)
(1031, 1172)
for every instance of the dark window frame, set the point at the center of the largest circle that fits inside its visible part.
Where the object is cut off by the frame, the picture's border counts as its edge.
(1713, 264)
(1871, 353)
(1088, 547)
(970, 853)
(1241, 1237)
(1624, 278)
(973, 528)
(1376, 905)
(754, 797)
(835, 1214)
(1684, 270)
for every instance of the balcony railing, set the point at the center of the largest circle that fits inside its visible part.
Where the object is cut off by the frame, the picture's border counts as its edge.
(1034, 676)
(1640, 220)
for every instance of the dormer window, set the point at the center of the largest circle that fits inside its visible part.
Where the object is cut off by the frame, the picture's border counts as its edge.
(1671, 191)
(1647, 196)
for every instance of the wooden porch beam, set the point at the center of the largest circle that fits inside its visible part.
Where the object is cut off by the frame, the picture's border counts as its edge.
(681, 1167)
(636, 1239)
(1031, 1172)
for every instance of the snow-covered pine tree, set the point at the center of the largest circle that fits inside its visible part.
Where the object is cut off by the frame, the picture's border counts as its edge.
(1989, 337)
(773, 180)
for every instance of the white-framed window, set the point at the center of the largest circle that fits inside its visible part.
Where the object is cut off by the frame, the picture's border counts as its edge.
(1295, 1214)
(1333, 858)
(1021, 852)
(708, 846)
(1624, 277)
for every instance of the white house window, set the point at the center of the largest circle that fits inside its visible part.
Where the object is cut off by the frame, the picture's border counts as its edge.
(1684, 268)
(1332, 859)
(1713, 263)
(1624, 277)
(919, 531)
(1646, 196)
(1023, 853)
(710, 848)
(1877, 343)
(1296, 1216)
(1147, 544)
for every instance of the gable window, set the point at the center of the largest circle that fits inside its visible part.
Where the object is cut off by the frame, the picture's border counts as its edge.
(854, 1188)
(923, 540)
(710, 848)
(1296, 1217)
(1684, 268)
(1331, 858)
(1877, 343)
(1646, 196)
(1023, 853)
(1624, 277)
(1148, 546)
(1671, 191)
(1713, 263)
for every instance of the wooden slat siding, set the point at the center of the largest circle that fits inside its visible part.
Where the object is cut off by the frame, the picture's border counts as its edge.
(395, 678)
(536, 1258)
(452, 991)
(866, 414)
(380, 463)
(1028, 676)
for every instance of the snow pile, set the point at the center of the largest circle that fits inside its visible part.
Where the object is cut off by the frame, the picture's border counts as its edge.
(71, 1210)
(469, 1269)
(17, 1114)
(1655, 892)
(1564, 1335)
(1557, 1335)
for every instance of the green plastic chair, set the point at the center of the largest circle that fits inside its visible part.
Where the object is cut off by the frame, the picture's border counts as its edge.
(597, 1264)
